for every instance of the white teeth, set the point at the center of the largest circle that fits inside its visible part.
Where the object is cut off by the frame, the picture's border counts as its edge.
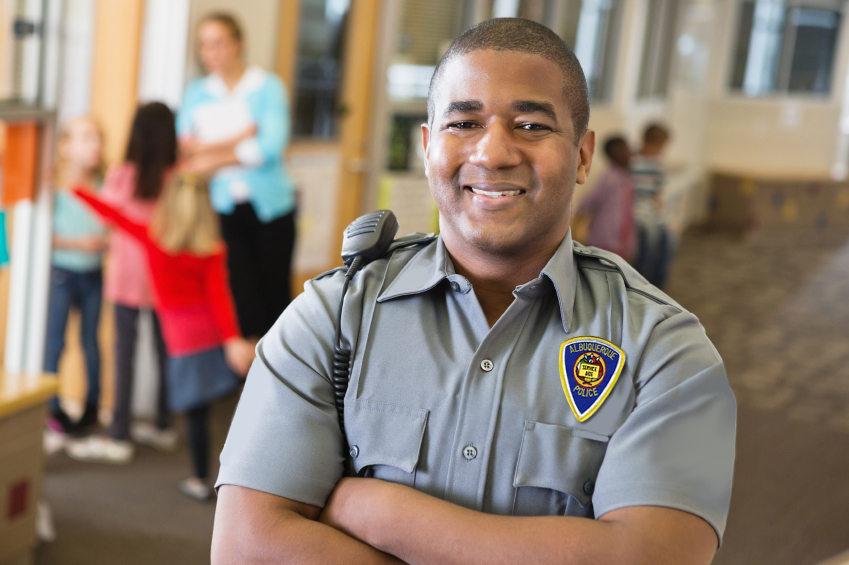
(496, 194)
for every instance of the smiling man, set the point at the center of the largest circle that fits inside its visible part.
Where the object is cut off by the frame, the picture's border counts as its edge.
(514, 397)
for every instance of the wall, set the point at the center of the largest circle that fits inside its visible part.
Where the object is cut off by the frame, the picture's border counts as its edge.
(778, 136)
(259, 19)
(627, 115)
(77, 59)
(116, 52)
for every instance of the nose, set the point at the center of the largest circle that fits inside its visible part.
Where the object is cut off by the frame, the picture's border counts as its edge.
(496, 149)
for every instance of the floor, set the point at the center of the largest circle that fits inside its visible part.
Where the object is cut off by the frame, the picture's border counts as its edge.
(778, 315)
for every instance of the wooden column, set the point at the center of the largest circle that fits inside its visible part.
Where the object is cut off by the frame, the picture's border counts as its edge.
(363, 27)
(287, 44)
(117, 45)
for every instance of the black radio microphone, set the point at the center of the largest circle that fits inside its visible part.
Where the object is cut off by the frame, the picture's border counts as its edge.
(365, 239)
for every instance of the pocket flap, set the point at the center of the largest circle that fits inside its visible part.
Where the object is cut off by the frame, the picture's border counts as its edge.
(560, 458)
(384, 434)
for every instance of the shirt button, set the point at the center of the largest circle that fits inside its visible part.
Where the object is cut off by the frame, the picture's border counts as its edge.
(487, 365)
(354, 451)
(469, 452)
(455, 286)
(589, 487)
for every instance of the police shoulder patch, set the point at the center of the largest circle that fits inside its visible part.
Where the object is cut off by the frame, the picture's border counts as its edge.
(589, 367)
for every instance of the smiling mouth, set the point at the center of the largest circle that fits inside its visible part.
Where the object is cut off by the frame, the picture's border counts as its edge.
(495, 193)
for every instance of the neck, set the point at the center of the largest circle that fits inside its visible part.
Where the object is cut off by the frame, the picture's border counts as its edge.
(232, 75)
(77, 175)
(495, 276)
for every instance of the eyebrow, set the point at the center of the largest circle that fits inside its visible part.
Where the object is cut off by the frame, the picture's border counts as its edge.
(463, 106)
(523, 106)
(532, 106)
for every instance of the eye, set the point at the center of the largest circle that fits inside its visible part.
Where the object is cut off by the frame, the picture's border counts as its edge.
(534, 127)
(462, 125)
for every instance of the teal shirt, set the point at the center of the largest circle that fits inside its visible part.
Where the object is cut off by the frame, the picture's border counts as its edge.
(71, 220)
(262, 172)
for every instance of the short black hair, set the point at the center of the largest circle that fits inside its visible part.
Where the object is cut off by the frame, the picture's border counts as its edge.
(655, 134)
(612, 144)
(522, 36)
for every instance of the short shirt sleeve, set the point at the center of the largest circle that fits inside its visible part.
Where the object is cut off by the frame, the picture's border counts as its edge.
(676, 449)
(183, 122)
(285, 437)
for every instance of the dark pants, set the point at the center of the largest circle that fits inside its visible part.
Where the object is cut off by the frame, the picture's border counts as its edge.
(126, 332)
(260, 262)
(198, 435)
(83, 291)
(654, 255)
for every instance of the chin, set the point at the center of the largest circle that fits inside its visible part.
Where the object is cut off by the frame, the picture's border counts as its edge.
(498, 240)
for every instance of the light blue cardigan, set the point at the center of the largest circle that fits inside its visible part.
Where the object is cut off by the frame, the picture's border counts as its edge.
(271, 188)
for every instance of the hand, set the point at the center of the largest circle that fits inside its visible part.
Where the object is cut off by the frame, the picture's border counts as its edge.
(201, 163)
(188, 147)
(657, 199)
(239, 355)
(247, 134)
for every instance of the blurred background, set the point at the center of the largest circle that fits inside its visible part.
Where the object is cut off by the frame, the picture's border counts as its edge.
(756, 200)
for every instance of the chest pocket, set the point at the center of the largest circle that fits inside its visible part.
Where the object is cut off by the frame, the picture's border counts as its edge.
(556, 471)
(385, 440)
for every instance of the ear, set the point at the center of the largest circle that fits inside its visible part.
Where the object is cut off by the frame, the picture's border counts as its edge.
(586, 149)
(426, 144)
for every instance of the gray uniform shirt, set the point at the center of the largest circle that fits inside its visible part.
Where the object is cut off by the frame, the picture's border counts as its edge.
(477, 416)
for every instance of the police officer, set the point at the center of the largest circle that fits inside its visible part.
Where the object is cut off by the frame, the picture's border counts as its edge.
(514, 396)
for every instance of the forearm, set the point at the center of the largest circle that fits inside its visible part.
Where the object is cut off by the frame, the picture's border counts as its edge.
(208, 162)
(279, 534)
(441, 532)
(418, 528)
(65, 243)
(218, 147)
(89, 244)
(291, 538)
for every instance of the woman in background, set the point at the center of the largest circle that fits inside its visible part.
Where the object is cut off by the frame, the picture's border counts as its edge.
(133, 188)
(187, 262)
(76, 279)
(234, 125)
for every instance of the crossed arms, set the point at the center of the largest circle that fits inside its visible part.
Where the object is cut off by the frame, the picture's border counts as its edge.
(373, 521)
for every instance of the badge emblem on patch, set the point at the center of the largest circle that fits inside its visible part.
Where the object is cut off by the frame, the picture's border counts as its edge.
(589, 367)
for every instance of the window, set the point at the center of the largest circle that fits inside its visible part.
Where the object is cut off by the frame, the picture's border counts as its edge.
(321, 40)
(786, 46)
(658, 48)
(591, 28)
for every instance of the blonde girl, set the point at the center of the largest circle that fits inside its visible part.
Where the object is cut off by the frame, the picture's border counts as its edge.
(133, 187)
(76, 279)
(188, 268)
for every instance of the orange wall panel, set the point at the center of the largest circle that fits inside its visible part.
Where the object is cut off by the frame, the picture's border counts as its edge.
(20, 161)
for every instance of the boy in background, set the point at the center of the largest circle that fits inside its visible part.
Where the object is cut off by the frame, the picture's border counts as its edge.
(654, 251)
(608, 210)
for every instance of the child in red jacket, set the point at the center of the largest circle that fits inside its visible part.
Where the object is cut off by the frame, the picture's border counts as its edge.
(187, 261)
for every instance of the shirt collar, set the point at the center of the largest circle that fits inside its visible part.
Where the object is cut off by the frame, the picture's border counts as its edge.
(251, 80)
(432, 265)
(424, 271)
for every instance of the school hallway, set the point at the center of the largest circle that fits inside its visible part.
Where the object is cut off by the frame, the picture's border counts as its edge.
(777, 314)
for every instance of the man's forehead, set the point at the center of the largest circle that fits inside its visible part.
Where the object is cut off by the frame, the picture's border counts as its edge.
(521, 80)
